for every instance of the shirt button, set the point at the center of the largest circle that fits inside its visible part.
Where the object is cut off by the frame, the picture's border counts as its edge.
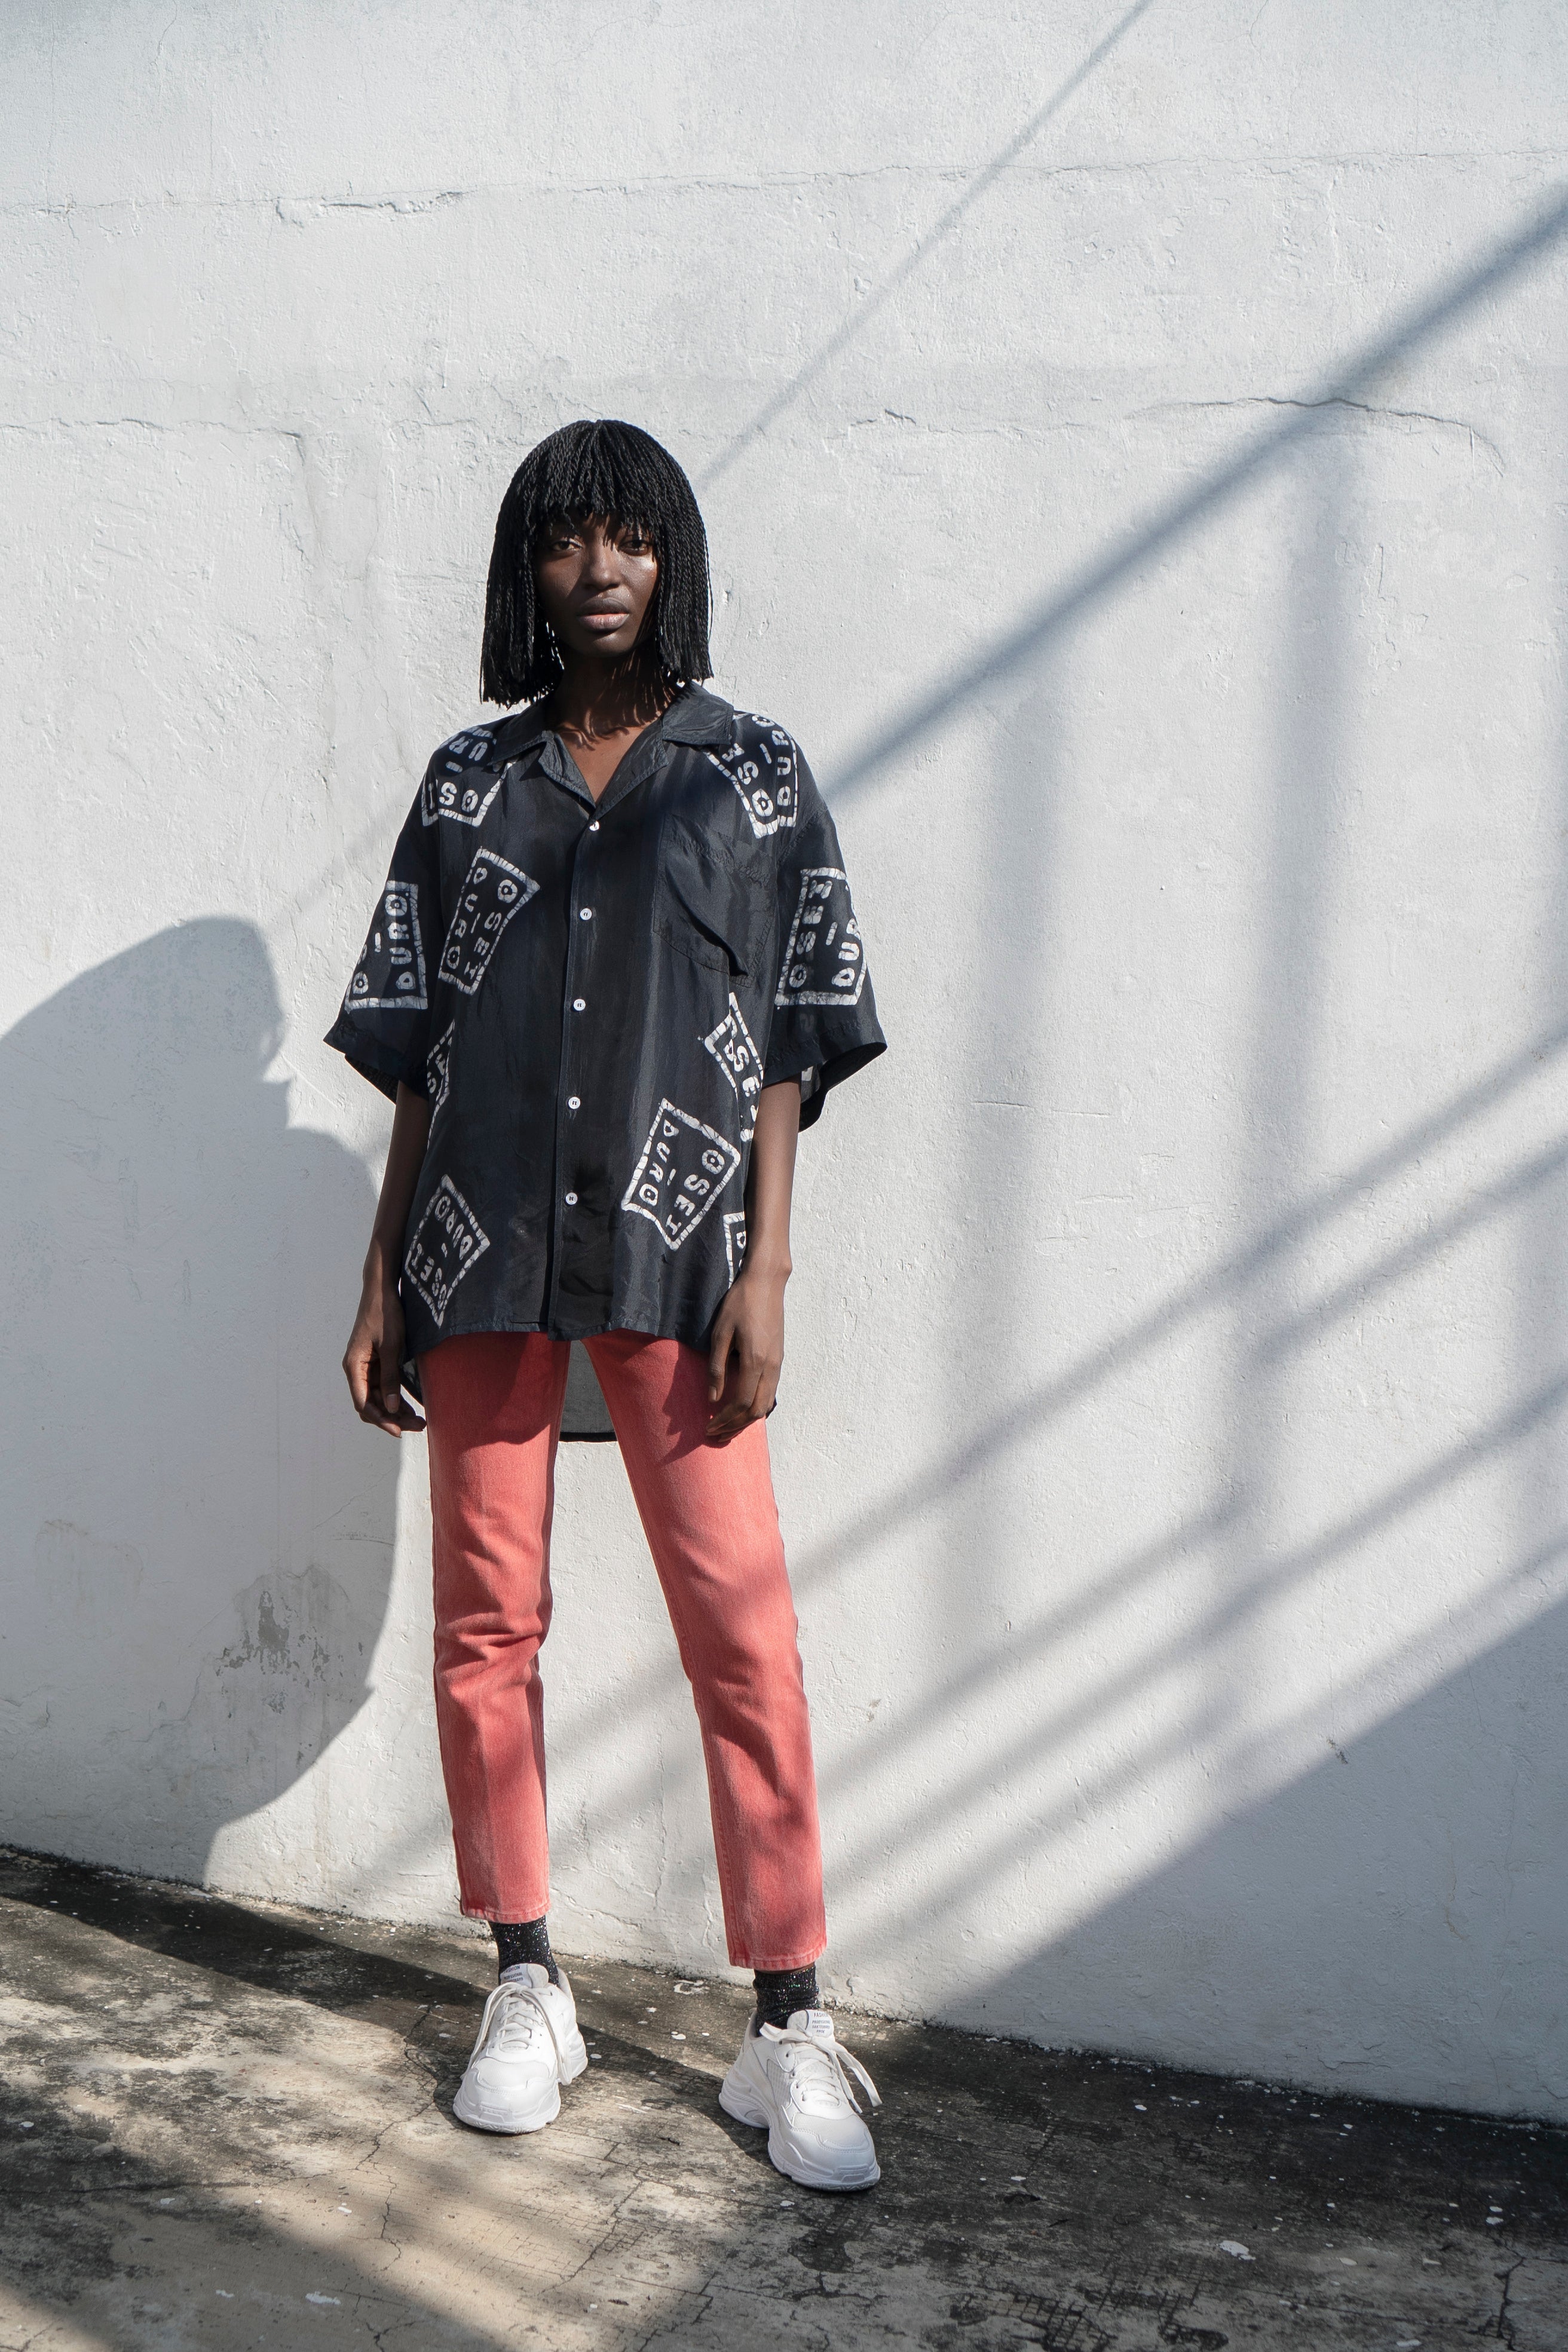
(579, 1004)
(571, 1199)
(574, 1102)
(586, 914)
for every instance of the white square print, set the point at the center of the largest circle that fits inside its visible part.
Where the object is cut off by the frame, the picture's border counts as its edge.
(684, 1168)
(824, 961)
(764, 774)
(454, 785)
(390, 974)
(439, 1069)
(448, 1242)
(734, 1241)
(732, 1047)
(492, 892)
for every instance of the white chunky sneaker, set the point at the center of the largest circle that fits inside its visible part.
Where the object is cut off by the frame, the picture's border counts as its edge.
(528, 2046)
(795, 2079)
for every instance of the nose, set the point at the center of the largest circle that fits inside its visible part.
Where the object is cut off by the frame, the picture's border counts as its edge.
(599, 568)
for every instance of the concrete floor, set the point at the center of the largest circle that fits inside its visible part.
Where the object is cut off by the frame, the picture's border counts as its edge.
(229, 2124)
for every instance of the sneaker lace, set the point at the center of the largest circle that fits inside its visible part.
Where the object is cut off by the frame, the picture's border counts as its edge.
(817, 2074)
(514, 2014)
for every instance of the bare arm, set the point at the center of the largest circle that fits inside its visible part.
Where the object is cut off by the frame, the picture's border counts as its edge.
(749, 1326)
(374, 1358)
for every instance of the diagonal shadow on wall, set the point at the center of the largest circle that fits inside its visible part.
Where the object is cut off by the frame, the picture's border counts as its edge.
(1350, 384)
(1216, 1958)
(940, 231)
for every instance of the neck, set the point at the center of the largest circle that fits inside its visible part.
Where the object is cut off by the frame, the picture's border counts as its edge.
(593, 699)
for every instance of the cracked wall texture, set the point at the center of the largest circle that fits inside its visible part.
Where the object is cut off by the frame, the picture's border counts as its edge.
(1131, 448)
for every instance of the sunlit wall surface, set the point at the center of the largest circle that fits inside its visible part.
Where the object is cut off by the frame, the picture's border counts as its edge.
(1133, 447)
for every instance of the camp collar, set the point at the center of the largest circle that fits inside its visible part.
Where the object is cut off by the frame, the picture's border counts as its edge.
(694, 717)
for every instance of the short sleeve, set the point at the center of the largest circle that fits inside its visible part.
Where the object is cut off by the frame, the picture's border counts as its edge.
(825, 1024)
(383, 1028)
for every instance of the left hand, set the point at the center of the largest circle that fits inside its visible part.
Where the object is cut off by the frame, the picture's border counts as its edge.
(745, 1355)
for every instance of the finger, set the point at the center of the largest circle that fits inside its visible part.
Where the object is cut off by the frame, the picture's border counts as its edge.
(753, 1369)
(372, 1405)
(362, 1366)
(389, 1359)
(758, 1402)
(730, 1414)
(721, 1420)
(737, 1411)
(356, 1371)
(740, 1371)
(400, 1423)
(719, 1356)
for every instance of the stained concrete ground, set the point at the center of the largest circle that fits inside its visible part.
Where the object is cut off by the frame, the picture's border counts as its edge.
(229, 2124)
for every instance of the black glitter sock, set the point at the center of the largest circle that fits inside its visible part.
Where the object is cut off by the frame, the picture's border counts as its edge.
(523, 1939)
(781, 1991)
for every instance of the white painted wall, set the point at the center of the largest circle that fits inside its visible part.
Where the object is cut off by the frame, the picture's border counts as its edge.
(1133, 451)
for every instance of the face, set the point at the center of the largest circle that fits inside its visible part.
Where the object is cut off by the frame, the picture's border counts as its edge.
(595, 581)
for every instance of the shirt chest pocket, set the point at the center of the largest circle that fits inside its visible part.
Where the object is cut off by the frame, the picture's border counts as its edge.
(706, 908)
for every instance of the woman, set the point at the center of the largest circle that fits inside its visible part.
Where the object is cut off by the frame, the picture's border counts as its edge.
(614, 969)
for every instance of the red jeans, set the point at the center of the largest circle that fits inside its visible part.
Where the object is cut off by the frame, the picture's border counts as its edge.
(493, 1405)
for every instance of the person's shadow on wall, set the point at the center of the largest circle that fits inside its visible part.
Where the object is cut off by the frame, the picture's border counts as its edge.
(197, 1539)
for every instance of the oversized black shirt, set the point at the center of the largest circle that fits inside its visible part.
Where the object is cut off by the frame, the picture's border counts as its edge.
(592, 997)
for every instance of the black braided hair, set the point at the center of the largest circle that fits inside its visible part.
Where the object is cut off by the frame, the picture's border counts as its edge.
(617, 472)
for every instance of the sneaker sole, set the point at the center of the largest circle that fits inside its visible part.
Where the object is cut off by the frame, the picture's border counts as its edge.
(749, 2111)
(533, 2124)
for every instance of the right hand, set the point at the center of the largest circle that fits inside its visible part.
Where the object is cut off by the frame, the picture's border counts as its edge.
(372, 1360)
